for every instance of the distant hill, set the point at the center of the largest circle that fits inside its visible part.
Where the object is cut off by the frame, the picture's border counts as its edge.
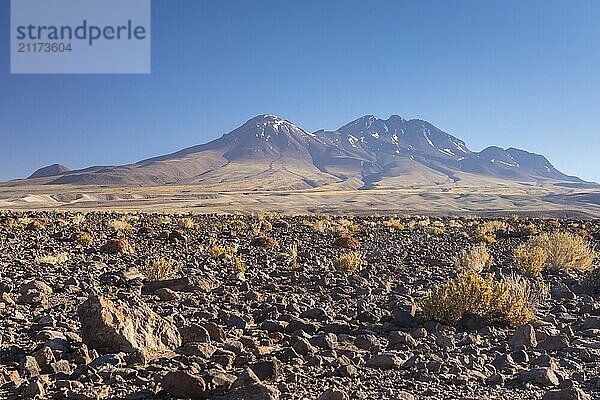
(50, 170)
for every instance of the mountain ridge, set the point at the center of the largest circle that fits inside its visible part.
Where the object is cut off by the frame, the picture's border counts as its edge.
(270, 153)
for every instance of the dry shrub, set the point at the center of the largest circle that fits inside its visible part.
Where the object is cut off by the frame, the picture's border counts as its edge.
(83, 239)
(530, 259)
(471, 295)
(395, 224)
(533, 292)
(349, 262)
(475, 259)
(117, 246)
(186, 223)
(491, 227)
(35, 225)
(52, 260)
(487, 238)
(160, 269)
(228, 252)
(78, 219)
(346, 241)
(529, 230)
(437, 230)
(238, 265)
(120, 225)
(565, 251)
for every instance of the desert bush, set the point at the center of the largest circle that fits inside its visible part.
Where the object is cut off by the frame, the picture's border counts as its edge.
(530, 259)
(472, 295)
(533, 292)
(120, 225)
(395, 224)
(78, 219)
(238, 265)
(52, 259)
(186, 223)
(487, 238)
(347, 242)
(565, 251)
(475, 259)
(160, 269)
(349, 262)
(216, 251)
(491, 227)
(35, 225)
(436, 230)
(83, 239)
(529, 230)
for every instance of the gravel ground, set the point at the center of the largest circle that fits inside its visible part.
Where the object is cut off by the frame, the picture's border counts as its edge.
(89, 324)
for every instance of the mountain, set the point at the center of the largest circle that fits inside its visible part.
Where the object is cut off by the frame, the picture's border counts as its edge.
(50, 170)
(271, 153)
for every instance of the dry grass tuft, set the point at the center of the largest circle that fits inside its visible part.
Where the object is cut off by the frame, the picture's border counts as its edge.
(565, 251)
(349, 262)
(471, 295)
(475, 259)
(52, 260)
(160, 269)
(530, 259)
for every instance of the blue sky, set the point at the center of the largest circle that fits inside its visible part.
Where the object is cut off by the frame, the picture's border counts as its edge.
(507, 73)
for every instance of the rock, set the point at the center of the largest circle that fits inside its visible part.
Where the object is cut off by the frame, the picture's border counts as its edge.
(406, 317)
(35, 390)
(184, 385)
(114, 360)
(384, 361)
(333, 394)
(117, 246)
(185, 284)
(565, 394)
(554, 343)
(396, 338)
(29, 366)
(112, 328)
(539, 376)
(524, 335)
(255, 391)
(166, 294)
(194, 333)
(267, 370)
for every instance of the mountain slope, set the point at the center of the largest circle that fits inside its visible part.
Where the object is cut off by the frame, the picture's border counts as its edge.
(271, 153)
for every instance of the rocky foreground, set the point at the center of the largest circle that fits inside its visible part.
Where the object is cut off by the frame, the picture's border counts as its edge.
(106, 306)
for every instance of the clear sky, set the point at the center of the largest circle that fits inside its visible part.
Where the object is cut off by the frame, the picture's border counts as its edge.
(507, 73)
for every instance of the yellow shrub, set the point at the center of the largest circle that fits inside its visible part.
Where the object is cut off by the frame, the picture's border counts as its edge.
(395, 224)
(491, 227)
(437, 230)
(530, 260)
(84, 239)
(488, 238)
(120, 225)
(161, 269)
(216, 251)
(186, 223)
(473, 260)
(238, 264)
(565, 251)
(473, 295)
(349, 262)
(52, 260)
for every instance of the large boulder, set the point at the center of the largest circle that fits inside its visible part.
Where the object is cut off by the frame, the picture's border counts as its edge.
(129, 327)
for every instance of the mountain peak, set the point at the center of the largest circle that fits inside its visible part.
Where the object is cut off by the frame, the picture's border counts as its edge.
(50, 170)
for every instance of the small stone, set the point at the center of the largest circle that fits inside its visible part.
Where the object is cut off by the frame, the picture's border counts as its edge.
(333, 394)
(384, 361)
